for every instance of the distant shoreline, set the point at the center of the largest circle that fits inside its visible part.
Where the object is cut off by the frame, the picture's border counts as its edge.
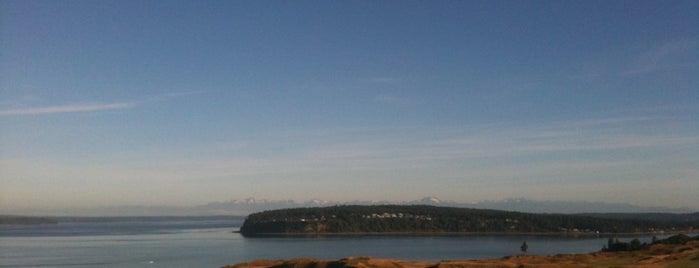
(11, 220)
(552, 234)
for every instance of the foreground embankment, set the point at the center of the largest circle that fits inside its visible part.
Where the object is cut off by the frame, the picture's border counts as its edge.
(657, 255)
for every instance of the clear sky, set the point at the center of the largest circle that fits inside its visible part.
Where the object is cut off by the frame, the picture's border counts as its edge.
(108, 103)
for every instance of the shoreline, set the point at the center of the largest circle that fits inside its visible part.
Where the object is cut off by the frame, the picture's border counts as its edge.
(427, 233)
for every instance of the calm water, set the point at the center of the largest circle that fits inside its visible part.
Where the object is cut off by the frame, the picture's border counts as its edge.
(212, 243)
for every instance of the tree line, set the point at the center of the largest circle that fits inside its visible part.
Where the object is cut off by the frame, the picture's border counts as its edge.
(614, 245)
(423, 218)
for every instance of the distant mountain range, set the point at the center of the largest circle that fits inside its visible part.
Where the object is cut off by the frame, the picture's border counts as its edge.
(252, 205)
(567, 207)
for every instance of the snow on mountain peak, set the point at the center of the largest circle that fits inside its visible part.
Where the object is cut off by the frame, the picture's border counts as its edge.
(430, 200)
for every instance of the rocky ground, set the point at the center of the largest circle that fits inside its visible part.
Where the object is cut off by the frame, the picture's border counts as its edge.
(659, 255)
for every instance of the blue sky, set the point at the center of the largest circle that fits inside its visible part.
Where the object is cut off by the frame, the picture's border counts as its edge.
(186, 102)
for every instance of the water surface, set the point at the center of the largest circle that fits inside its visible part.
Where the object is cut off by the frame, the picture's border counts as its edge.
(206, 242)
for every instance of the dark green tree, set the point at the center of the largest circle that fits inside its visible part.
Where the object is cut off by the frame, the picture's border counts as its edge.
(635, 244)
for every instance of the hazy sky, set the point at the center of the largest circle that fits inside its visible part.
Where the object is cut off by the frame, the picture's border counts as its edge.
(187, 102)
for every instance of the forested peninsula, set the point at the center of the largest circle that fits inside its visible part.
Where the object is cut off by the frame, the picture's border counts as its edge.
(423, 219)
